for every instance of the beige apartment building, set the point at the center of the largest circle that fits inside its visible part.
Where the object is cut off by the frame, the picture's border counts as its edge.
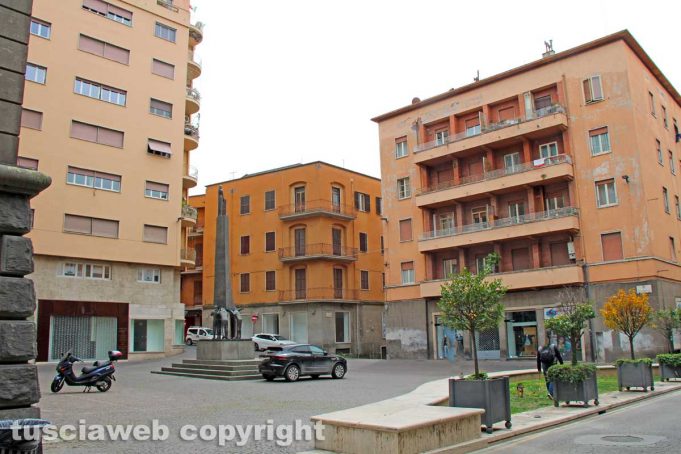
(109, 114)
(568, 167)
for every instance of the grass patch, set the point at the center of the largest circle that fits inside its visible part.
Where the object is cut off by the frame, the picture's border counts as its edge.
(535, 392)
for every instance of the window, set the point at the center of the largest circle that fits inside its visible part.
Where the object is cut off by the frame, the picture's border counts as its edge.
(245, 207)
(554, 201)
(96, 134)
(270, 241)
(651, 100)
(606, 194)
(109, 11)
(40, 28)
(665, 199)
(165, 32)
(379, 206)
(364, 279)
(178, 338)
(382, 245)
(449, 267)
(93, 179)
(405, 230)
(600, 141)
(548, 150)
(672, 249)
(472, 126)
(336, 199)
(407, 270)
(542, 102)
(270, 323)
(677, 206)
(90, 226)
(659, 152)
(104, 49)
(245, 284)
(363, 242)
(671, 162)
(156, 190)
(593, 91)
(401, 147)
(270, 281)
(270, 200)
(101, 92)
(149, 275)
(147, 335)
(27, 163)
(511, 161)
(159, 148)
(245, 245)
(403, 188)
(479, 215)
(160, 108)
(31, 119)
(665, 121)
(362, 202)
(441, 137)
(85, 271)
(342, 327)
(163, 69)
(443, 221)
(155, 234)
(36, 73)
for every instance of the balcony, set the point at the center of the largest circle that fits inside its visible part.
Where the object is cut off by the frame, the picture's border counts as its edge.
(544, 171)
(555, 276)
(191, 136)
(190, 178)
(539, 223)
(195, 33)
(192, 101)
(189, 216)
(188, 257)
(544, 121)
(316, 208)
(319, 294)
(196, 231)
(318, 251)
(193, 66)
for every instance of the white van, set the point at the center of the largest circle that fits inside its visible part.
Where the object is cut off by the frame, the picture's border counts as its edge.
(197, 333)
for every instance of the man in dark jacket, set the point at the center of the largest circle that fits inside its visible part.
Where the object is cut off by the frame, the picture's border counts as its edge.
(547, 356)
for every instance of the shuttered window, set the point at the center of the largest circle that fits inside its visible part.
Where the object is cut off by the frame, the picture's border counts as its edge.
(405, 230)
(156, 190)
(245, 286)
(161, 108)
(407, 270)
(97, 134)
(612, 246)
(159, 148)
(245, 244)
(270, 240)
(270, 280)
(104, 49)
(163, 69)
(112, 12)
(155, 234)
(31, 119)
(364, 279)
(593, 91)
(90, 226)
(32, 164)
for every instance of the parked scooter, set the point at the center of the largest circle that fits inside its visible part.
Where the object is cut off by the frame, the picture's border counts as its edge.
(98, 375)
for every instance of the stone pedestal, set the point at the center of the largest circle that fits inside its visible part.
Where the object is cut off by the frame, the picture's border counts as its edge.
(225, 350)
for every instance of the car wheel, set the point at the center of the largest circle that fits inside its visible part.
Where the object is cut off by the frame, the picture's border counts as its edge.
(338, 371)
(292, 373)
(189, 342)
(268, 377)
(257, 347)
(315, 376)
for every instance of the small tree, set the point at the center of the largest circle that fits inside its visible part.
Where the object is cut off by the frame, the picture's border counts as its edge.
(570, 322)
(666, 321)
(627, 312)
(471, 302)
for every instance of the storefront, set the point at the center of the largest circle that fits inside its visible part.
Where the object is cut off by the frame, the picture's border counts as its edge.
(521, 334)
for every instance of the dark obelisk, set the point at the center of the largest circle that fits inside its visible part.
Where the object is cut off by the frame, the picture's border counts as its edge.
(222, 290)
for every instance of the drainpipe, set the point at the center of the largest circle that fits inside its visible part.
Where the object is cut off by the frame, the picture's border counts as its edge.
(587, 287)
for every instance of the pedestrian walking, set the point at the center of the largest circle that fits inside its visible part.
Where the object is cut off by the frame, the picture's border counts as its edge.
(445, 346)
(547, 356)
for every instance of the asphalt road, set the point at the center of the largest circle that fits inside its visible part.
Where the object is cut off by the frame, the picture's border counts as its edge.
(138, 397)
(650, 427)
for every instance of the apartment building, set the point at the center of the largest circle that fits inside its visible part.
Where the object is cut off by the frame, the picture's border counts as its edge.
(306, 256)
(568, 167)
(109, 112)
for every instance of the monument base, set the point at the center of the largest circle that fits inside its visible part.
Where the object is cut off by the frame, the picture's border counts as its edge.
(221, 350)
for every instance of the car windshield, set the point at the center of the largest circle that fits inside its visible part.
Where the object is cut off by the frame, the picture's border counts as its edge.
(278, 337)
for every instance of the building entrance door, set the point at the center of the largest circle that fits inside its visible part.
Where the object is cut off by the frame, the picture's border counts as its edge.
(521, 334)
(444, 349)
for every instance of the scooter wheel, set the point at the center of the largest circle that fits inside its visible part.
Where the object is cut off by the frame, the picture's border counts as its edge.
(104, 385)
(56, 385)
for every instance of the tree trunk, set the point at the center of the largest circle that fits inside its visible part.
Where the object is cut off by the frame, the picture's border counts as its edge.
(475, 352)
(670, 338)
(631, 346)
(573, 340)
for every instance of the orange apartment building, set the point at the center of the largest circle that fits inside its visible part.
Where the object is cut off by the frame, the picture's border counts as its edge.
(306, 256)
(108, 114)
(568, 167)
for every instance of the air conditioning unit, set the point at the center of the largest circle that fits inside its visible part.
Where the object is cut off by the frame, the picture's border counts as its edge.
(571, 250)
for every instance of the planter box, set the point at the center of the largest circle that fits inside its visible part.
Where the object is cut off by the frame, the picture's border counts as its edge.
(582, 391)
(493, 396)
(631, 375)
(667, 372)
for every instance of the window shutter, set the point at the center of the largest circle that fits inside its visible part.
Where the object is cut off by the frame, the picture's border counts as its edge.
(407, 266)
(587, 90)
(105, 227)
(368, 202)
(612, 246)
(96, 5)
(163, 148)
(77, 224)
(405, 230)
(27, 163)
(357, 200)
(116, 53)
(91, 45)
(155, 234)
(160, 105)
(163, 69)
(31, 119)
(120, 11)
(151, 186)
(110, 137)
(83, 131)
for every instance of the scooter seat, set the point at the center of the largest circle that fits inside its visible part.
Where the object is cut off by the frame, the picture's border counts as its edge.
(101, 363)
(88, 369)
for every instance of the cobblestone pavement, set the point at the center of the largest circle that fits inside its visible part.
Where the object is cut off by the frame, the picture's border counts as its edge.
(138, 397)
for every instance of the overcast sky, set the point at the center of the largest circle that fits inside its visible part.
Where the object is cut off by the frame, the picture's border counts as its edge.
(294, 81)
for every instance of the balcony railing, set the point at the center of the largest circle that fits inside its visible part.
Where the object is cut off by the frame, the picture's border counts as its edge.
(194, 94)
(318, 250)
(196, 230)
(486, 128)
(193, 172)
(503, 222)
(316, 207)
(194, 59)
(191, 130)
(316, 294)
(196, 31)
(498, 173)
(190, 212)
(188, 255)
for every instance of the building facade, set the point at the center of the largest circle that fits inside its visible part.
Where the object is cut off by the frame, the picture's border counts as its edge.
(568, 167)
(306, 256)
(108, 114)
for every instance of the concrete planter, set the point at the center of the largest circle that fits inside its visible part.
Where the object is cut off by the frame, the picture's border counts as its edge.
(668, 372)
(582, 391)
(635, 375)
(493, 396)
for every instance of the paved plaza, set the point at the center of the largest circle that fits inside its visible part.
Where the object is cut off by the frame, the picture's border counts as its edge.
(138, 397)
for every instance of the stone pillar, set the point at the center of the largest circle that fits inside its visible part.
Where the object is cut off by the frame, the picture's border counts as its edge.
(19, 389)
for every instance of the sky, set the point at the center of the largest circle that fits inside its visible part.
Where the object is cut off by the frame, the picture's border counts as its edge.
(296, 81)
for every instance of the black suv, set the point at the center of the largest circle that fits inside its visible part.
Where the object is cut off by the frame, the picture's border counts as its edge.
(294, 361)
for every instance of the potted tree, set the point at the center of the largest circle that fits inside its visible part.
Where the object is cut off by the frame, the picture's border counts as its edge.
(670, 366)
(471, 302)
(572, 382)
(666, 321)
